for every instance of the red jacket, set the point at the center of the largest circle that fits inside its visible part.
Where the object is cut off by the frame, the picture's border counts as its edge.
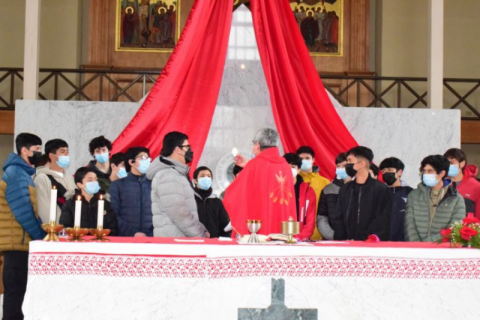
(469, 187)
(307, 205)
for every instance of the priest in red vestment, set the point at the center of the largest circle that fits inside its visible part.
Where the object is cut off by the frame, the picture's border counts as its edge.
(263, 190)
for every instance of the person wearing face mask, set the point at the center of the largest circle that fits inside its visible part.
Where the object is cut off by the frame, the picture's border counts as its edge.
(392, 170)
(305, 199)
(329, 198)
(54, 174)
(118, 167)
(435, 204)
(173, 201)
(264, 190)
(464, 176)
(310, 174)
(364, 204)
(19, 222)
(100, 149)
(130, 197)
(88, 190)
(211, 212)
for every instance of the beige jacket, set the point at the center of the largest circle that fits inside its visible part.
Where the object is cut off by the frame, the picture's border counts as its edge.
(43, 186)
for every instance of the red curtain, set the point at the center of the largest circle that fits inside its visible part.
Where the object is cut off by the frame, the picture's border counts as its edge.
(185, 95)
(303, 112)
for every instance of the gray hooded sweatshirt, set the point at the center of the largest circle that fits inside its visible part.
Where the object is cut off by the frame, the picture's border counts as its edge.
(173, 202)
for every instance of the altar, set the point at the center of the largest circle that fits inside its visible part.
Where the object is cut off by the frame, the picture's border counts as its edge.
(155, 278)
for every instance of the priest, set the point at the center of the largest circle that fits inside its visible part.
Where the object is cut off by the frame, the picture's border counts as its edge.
(264, 189)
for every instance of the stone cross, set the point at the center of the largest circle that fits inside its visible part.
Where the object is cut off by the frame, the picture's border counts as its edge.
(277, 309)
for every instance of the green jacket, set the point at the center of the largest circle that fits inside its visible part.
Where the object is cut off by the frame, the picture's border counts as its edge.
(418, 224)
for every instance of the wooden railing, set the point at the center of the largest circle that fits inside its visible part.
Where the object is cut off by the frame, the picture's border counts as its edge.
(109, 84)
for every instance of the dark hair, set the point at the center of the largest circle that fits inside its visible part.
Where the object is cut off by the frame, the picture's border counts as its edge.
(362, 152)
(438, 162)
(171, 141)
(293, 158)
(132, 154)
(199, 169)
(306, 149)
(392, 162)
(374, 169)
(118, 158)
(99, 142)
(53, 145)
(341, 158)
(81, 173)
(236, 170)
(456, 154)
(26, 140)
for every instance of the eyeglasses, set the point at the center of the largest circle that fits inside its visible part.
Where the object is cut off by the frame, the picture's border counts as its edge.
(185, 146)
(142, 157)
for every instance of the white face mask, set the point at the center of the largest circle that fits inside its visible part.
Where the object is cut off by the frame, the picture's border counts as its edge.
(294, 172)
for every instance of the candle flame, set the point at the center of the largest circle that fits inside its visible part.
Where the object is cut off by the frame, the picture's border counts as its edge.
(54, 187)
(79, 198)
(101, 197)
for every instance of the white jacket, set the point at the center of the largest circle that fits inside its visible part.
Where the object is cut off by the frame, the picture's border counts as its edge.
(43, 187)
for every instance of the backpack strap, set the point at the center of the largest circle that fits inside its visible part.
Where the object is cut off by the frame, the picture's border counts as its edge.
(61, 190)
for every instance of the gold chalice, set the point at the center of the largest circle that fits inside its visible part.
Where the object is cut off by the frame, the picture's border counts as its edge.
(290, 228)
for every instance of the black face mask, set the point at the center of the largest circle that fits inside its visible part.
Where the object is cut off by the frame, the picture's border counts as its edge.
(188, 156)
(35, 158)
(350, 170)
(389, 178)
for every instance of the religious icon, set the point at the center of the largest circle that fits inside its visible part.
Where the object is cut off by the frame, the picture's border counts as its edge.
(147, 25)
(281, 193)
(321, 25)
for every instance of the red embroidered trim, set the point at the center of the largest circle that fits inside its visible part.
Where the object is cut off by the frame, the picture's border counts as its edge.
(161, 267)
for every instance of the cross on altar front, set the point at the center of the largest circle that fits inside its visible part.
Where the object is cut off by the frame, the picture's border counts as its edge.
(277, 309)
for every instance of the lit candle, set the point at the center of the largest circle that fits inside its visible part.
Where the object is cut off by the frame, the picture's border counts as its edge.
(78, 211)
(101, 204)
(53, 204)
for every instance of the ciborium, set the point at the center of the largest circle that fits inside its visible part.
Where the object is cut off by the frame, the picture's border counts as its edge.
(51, 228)
(76, 233)
(290, 228)
(253, 226)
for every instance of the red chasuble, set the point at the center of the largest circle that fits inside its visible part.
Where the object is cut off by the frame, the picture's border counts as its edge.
(264, 191)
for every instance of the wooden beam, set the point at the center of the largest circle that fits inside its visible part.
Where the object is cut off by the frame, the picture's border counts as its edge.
(470, 131)
(7, 121)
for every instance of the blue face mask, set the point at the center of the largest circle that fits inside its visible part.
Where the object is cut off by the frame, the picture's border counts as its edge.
(430, 180)
(453, 171)
(204, 183)
(144, 164)
(306, 165)
(102, 158)
(341, 174)
(92, 187)
(63, 161)
(122, 173)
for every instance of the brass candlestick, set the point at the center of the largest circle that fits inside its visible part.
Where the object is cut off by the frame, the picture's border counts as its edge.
(290, 228)
(77, 233)
(253, 226)
(100, 234)
(51, 229)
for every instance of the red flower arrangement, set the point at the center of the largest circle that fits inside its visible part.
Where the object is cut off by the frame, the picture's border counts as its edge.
(465, 232)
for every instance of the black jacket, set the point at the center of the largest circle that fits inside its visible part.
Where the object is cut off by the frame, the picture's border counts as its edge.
(89, 214)
(397, 219)
(329, 198)
(212, 213)
(372, 215)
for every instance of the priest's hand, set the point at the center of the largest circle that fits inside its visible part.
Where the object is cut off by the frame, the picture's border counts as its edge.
(139, 234)
(241, 161)
(207, 234)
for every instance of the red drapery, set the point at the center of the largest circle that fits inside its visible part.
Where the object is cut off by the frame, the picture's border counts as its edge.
(303, 112)
(185, 95)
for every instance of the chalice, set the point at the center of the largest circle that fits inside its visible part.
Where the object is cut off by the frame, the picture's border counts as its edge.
(290, 228)
(253, 226)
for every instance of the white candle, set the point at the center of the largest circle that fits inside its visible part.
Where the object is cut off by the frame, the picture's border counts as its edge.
(78, 211)
(101, 204)
(53, 204)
